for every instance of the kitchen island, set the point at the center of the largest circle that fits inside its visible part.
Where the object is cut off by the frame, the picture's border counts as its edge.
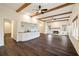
(25, 36)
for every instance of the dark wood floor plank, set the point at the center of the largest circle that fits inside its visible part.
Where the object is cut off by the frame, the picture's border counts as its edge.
(45, 45)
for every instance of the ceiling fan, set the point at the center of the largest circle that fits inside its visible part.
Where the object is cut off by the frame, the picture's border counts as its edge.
(40, 10)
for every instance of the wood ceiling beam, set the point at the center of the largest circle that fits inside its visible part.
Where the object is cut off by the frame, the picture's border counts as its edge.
(69, 12)
(76, 17)
(22, 7)
(55, 8)
(55, 19)
(61, 18)
(58, 20)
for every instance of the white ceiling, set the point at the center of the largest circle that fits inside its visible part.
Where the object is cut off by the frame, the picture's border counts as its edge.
(58, 11)
(34, 6)
(13, 6)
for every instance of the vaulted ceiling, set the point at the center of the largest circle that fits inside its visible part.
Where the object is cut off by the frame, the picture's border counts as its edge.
(56, 11)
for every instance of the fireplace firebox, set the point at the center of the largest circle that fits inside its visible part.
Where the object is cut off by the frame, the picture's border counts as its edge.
(55, 32)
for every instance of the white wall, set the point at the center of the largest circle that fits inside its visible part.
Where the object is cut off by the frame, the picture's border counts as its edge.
(60, 27)
(1, 32)
(74, 39)
(14, 30)
(7, 26)
(43, 27)
(6, 13)
(58, 24)
(55, 25)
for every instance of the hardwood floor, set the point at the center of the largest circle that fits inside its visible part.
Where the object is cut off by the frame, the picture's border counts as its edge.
(45, 45)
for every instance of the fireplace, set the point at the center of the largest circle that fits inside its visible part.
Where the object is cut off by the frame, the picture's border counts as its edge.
(55, 32)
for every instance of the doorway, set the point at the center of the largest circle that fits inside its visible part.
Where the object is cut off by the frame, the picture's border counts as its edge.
(7, 28)
(7, 31)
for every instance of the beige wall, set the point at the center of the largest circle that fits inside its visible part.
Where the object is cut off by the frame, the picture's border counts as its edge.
(7, 26)
(41, 27)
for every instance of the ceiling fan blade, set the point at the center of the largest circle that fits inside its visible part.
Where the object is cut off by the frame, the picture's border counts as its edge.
(44, 10)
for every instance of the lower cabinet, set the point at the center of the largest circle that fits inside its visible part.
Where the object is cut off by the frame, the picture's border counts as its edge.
(28, 36)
